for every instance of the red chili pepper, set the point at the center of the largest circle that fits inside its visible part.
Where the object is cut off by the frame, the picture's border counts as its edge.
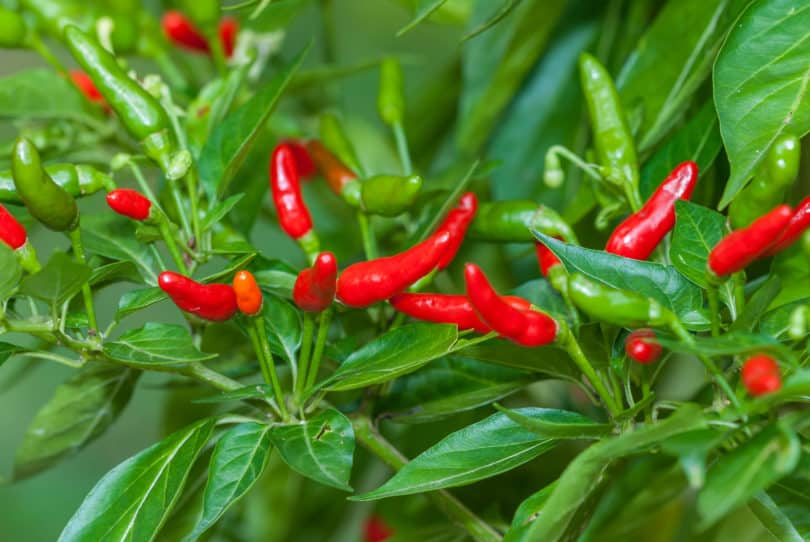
(641, 232)
(448, 309)
(128, 202)
(87, 87)
(181, 31)
(303, 161)
(336, 173)
(12, 232)
(376, 530)
(214, 302)
(545, 258)
(315, 287)
(248, 293)
(228, 30)
(741, 247)
(525, 327)
(760, 375)
(456, 223)
(366, 283)
(293, 214)
(640, 346)
(799, 222)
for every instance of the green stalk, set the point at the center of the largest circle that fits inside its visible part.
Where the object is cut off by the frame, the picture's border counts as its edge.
(369, 243)
(303, 356)
(320, 343)
(570, 344)
(168, 238)
(87, 294)
(202, 373)
(714, 309)
(36, 43)
(269, 366)
(402, 148)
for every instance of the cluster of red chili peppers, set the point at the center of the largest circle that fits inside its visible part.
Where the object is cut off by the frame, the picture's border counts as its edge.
(181, 31)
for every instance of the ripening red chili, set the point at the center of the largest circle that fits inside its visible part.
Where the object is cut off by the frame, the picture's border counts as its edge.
(760, 375)
(448, 309)
(128, 202)
(336, 173)
(181, 31)
(248, 293)
(545, 258)
(228, 30)
(799, 222)
(87, 87)
(525, 327)
(215, 302)
(365, 283)
(641, 346)
(303, 161)
(293, 215)
(376, 530)
(741, 247)
(456, 223)
(315, 287)
(638, 235)
(12, 232)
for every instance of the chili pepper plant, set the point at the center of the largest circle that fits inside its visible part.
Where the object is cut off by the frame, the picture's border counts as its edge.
(518, 271)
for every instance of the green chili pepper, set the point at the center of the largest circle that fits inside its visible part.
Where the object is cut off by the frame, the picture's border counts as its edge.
(504, 221)
(75, 180)
(334, 138)
(45, 200)
(139, 111)
(615, 149)
(390, 101)
(767, 190)
(12, 29)
(614, 306)
(389, 195)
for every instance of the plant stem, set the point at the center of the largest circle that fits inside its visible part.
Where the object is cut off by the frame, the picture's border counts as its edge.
(368, 436)
(320, 343)
(87, 294)
(570, 344)
(193, 196)
(202, 373)
(267, 360)
(37, 44)
(369, 244)
(218, 54)
(714, 309)
(591, 170)
(168, 238)
(739, 292)
(303, 356)
(136, 171)
(402, 148)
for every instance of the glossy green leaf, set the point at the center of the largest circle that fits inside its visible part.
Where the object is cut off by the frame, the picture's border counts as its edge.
(220, 211)
(132, 501)
(792, 495)
(761, 84)
(113, 236)
(239, 459)
(115, 272)
(397, 352)
(321, 448)
(58, 281)
(424, 9)
(558, 424)
(10, 271)
(547, 360)
(278, 282)
(507, 6)
(282, 324)
(776, 322)
(231, 141)
(481, 450)
(773, 519)
(757, 304)
(80, 410)
(730, 344)
(41, 93)
(8, 350)
(155, 344)
(742, 473)
(136, 300)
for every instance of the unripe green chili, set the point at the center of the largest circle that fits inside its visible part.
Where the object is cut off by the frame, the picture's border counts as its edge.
(613, 140)
(140, 113)
(45, 200)
(12, 29)
(389, 195)
(504, 221)
(77, 181)
(390, 101)
(614, 306)
(335, 139)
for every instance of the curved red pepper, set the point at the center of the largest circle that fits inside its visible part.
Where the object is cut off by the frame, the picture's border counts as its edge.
(181, 31)
(456, 223)
(293, 215)
(641, 232)
(640, 346)
(545, 258)
(128, 202)
(214, 302)
(303, 161)
(228, 30)
(12, 232)
(799, 222)
(448, 309)
(87, 87)
(366, 283)
(525, 327)
(760, 375)
(741, 247)
(315, 287)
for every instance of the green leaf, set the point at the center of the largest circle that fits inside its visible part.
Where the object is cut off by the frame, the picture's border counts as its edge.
(155, 344)
(321, 448)
(133, 500)
(115, 272)
(58, 281)
(43, 94)
(558, 424)
(761, 84)
(277, 281)
(10, 271)
(776, 322)
(756, 306)
(735, 343)
(660, 282)
(231, 141)
(672, 60)
(80, 410)
(449, 386)
(283, 326)
(7, 350)
(699, 140)
(481, 450)
(546, 360)
(773, 519)
(507, 6)
(220, 211)
(238, 461)
(113, 236)
(397, 352)
(424, 9)
(792, 496)
(742, 473)
(136, 300)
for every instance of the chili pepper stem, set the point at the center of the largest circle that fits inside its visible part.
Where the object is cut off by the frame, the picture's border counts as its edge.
(402, 148)
(269, 366)
(714, 308)
(591, 170)
(218, 53)
(739, 293)
(78, 249)
(27, 256)
(304, 354)
(369, 243)
(200, 372)
(178, 202)
(570, 344)
(374, 442)
(171, 244)
(320, 343)
(36, 43)
(645, 392)
(193, 196)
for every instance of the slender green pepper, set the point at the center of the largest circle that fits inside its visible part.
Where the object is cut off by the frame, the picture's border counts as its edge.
(767, 190)
(613, 140)
(12, 29)
(45, 200)
(389, 195)
(75, 180)
(504, 221)
(335, 139)
(140, 113)
(390, 100)
(614, 306)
